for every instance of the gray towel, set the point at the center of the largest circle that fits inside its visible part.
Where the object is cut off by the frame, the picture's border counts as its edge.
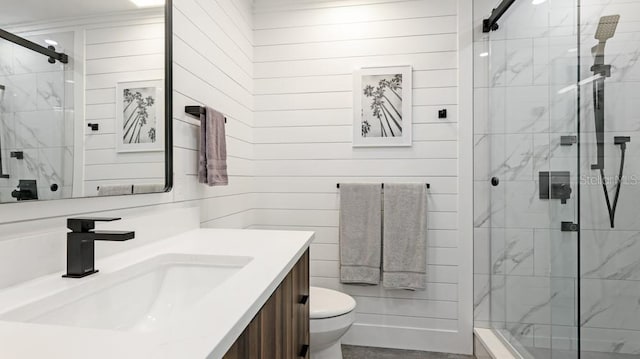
(212, 165)
(115, 190)
(360, 233)
(404, 244)
(148, 188)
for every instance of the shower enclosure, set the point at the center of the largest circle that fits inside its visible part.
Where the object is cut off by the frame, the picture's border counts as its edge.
(557, 197)
(36, 115)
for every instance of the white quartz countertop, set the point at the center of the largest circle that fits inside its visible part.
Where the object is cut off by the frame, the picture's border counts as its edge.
(208, 332)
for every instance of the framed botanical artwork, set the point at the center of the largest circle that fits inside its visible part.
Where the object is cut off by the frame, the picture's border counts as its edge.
(382, 107)
(140, 116)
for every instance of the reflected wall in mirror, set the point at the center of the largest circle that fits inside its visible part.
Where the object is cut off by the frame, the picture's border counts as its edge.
(84, 98)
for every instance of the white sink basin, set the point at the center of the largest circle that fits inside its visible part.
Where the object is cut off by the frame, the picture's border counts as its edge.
(143, 297)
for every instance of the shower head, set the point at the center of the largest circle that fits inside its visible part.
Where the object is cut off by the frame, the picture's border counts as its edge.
(607, 27)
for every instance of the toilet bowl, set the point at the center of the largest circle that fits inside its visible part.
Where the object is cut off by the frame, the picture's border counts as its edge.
(332, 314)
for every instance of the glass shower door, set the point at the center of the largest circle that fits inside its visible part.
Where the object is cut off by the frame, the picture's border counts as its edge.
(610, 149)
(532, 133)
(563, 187)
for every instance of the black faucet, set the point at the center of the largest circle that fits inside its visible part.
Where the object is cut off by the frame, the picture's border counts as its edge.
(80, 244)
(27, 190)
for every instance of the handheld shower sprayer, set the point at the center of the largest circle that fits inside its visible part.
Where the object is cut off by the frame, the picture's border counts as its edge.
(607, 27)
(605, 31)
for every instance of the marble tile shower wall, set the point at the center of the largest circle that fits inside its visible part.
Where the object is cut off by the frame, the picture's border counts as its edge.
(525, 277)
(36, 107)
(111, 59)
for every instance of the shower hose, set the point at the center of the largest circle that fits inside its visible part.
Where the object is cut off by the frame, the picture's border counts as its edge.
(612, 208)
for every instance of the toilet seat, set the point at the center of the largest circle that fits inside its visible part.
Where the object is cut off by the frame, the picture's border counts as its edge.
(326, 303)
(332, 313)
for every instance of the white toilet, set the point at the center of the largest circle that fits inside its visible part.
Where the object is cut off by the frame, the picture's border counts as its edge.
(332, 314)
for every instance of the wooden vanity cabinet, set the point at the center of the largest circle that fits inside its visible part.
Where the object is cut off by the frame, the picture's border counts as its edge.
(280, 330)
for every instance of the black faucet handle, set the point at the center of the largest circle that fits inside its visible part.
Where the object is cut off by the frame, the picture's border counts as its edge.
(85, 224)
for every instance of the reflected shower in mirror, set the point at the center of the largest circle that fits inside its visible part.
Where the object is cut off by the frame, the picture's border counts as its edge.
(83, 99)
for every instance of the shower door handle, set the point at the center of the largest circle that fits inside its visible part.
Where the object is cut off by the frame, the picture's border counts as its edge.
(495, 181)
(569, 227)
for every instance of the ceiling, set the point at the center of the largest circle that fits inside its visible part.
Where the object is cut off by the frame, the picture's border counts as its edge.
(28, 11)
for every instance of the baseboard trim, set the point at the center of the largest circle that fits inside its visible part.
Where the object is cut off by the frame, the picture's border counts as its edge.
(430, 340)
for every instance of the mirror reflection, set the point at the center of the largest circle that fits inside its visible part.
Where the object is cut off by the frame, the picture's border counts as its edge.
(82, 99)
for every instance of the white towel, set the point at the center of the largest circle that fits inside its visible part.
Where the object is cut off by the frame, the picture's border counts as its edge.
(404, 247)
(148, 188)
(360, 233)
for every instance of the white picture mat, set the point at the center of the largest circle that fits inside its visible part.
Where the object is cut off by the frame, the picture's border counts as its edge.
(158, 145)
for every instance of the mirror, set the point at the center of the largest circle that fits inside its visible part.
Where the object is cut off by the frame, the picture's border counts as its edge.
(85, 98)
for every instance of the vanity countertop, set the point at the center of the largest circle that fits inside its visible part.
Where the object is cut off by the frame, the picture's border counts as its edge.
(207, 332)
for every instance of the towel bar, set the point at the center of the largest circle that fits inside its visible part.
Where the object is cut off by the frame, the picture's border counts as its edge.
(427, 184)
(197, 111)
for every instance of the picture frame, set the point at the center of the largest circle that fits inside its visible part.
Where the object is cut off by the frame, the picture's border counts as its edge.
(140, 116)
(382, 102)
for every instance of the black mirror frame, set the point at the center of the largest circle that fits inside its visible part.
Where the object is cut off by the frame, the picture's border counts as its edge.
(168, 84)
(168, 95)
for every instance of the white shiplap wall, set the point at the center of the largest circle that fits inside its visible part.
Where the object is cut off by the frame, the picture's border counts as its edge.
(305, 54)
(119, 52)
(212, 67)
